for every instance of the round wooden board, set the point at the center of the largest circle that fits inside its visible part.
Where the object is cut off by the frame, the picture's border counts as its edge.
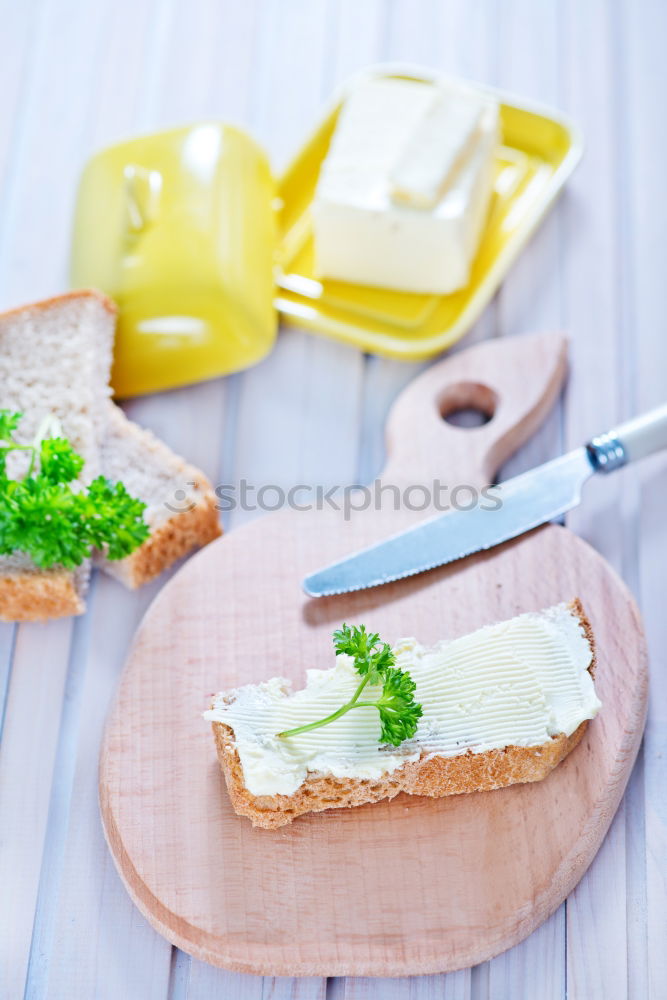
(410, 886)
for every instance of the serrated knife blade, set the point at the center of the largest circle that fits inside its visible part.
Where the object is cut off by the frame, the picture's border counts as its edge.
(526, 501)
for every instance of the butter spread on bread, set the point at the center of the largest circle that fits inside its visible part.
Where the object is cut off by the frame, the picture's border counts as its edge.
(503, 704)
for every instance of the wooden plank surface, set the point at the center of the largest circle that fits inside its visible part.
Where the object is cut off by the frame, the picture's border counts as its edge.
(77, 75)
(593, 281)
(638, 34)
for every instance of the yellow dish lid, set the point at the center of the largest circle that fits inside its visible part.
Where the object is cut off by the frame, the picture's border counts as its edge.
(180, 229)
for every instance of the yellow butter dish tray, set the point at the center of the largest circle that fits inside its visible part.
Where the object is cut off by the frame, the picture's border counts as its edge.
(202, 248)
(538, 151)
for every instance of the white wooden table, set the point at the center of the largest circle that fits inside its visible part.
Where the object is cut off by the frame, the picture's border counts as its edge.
(78, 74)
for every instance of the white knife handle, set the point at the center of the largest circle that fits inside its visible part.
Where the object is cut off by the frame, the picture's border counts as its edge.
(635, 439)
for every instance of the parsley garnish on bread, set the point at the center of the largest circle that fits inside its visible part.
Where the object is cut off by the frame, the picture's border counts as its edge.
(375, 663)
(52, 518)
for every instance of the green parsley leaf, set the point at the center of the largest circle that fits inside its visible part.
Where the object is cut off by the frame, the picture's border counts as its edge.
(53, 519)
(58, 462)
(399, 712)
(370, 657)
(116, 522)
(375, 662)
(8, 424)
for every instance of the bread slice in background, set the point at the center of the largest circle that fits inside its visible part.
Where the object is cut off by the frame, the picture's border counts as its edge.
(55, 358)
(429, 775)
(181, 505)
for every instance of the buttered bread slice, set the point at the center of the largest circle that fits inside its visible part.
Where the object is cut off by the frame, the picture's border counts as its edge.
(502, 705)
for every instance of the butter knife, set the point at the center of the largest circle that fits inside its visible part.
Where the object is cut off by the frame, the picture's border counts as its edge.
(526, 501)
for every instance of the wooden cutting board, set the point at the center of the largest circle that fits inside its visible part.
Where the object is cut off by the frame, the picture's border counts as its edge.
(410, 886)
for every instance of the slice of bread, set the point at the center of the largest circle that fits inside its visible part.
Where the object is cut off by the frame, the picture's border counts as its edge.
(430, 775)
(181, 505)
(55, 358)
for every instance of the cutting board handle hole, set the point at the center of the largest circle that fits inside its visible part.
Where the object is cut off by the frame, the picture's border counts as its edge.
(467, 404)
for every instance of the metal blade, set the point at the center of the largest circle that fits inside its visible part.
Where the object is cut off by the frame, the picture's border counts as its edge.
(527, 501)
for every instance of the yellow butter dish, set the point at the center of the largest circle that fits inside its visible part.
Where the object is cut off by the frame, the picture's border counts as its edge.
(537, 152)
(179, 229)
(202, 249)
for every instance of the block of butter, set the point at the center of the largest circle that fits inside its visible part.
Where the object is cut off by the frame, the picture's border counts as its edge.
(404, 191)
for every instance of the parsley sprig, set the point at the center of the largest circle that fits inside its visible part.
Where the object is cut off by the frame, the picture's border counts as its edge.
(375, 663)
(49, 516)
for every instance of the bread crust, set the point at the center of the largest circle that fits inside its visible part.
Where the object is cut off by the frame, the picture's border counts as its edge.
(170, 541)
(433, 776)
(38, 596)
(174, 532)
(72, 296)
